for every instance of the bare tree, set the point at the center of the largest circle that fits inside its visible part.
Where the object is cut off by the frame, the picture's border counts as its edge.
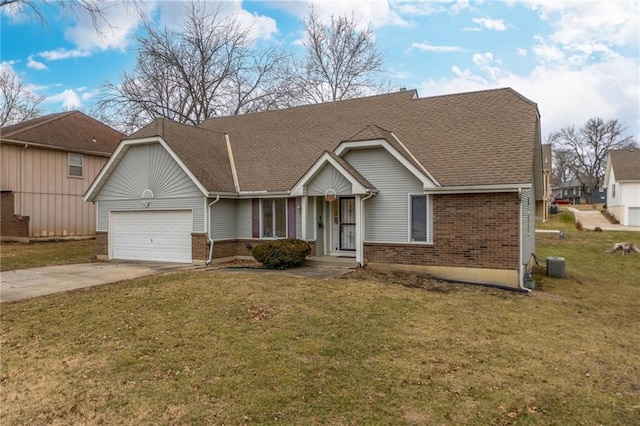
(96, 9)
(586, 149)
(341, 61)
(205, 68)
(17, 103)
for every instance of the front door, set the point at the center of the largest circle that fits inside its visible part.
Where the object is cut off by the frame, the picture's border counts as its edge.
(347, 223)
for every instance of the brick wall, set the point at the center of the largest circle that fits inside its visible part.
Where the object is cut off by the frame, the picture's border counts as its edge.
(199, 246)
(102, 243)
(12, 225)
(469, 230)
(242, 247)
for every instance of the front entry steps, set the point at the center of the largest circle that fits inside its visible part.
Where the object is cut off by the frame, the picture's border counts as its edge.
(332, 262)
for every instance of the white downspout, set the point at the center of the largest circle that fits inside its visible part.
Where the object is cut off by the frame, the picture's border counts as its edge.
(208, 262)
(521, 267)
(361, 226)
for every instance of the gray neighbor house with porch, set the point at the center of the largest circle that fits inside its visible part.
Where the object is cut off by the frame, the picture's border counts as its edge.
(446, 185)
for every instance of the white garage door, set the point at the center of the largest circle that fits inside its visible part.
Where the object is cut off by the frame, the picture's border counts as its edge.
(163, 236)
(634, 216)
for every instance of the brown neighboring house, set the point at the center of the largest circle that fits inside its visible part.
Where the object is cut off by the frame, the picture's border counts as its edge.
(446, 185)
(47, 165)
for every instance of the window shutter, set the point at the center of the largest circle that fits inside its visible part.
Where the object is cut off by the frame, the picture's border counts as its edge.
(291, 218)
(255, 217)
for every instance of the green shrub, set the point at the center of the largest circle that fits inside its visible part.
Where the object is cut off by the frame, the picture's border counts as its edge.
(281, 254)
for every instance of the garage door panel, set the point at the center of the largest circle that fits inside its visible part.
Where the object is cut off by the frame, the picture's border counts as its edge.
(634, 216)
(163, 236)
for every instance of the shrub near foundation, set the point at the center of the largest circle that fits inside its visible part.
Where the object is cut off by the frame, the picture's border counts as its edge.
(282, 254)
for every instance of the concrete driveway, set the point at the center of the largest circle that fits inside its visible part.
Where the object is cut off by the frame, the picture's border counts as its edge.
(24, 283)
(593, 218)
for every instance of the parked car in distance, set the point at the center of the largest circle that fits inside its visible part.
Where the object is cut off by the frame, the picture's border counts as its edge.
(560, 201)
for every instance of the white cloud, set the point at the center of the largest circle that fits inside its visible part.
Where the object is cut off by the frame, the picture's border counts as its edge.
(426, 47)
(429, 7)
(377, 12)
(474, 29)
(398, 74)
(491, 24)
(32, 63)
(522, 52)
(173, 14)
(123, 21)
(68, 99)
(56, 55)
(564, 96)
(546, 52)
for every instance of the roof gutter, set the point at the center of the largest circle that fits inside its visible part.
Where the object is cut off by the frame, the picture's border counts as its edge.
(57, 148)
(471, 189)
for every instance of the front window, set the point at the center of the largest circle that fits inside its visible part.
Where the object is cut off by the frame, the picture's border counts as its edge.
(75, 165)
(274, 218)
(418, 221)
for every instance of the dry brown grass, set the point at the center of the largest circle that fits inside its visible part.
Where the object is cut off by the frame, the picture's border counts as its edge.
(29, 255)
(242, 348)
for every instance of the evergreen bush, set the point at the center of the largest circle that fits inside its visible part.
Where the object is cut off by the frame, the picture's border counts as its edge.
(282, 254)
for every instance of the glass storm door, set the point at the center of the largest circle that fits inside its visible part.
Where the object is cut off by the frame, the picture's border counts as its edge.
(348, 223)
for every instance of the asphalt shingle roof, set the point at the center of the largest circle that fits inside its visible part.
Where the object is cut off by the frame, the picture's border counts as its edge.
(476, 138)
(626, 164)
(203, 151)
(71, 131)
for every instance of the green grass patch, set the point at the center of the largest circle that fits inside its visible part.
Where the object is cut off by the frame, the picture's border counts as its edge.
(30, 255)
(242, 348)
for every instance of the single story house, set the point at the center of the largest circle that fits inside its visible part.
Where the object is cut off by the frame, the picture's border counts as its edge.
(622, 180)
(47, 165)
(446, 185)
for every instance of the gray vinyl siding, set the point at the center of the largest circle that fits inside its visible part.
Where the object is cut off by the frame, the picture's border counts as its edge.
(311, 221)
(223, 220)
(527, 221)
(243, 219)
(386, 213)
(329, 178)
(195, 204)
(148, 167)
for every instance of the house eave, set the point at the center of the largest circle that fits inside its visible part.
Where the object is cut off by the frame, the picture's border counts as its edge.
(55, 147)
(476, 189)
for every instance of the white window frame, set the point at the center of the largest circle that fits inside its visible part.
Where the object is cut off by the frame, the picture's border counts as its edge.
(429, 212)
(274, 221)
(71, 163)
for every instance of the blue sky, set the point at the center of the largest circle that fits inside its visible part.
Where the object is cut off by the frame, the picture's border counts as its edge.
(576, 59)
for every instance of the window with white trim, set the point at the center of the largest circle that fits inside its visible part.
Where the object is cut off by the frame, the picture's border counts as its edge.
(274, 218)
(419, 225)
(75, 165)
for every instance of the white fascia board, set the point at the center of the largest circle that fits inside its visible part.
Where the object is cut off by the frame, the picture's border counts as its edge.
(298, 190)
(259, 194)
(120, 151)
(53, 147)
(476, 189)
(427, 180)
(607, 171)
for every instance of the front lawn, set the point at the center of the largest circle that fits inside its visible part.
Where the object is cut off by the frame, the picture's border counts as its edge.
(242, 348)
(46, 253)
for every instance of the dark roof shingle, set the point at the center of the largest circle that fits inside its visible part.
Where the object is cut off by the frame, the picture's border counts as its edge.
(476, 138)
(626, 164)
(71, 131)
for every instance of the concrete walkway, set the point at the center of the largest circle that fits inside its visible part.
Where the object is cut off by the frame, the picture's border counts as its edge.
(592, 219)
(25, 283)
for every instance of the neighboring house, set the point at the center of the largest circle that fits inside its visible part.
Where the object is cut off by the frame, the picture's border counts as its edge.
(622, 180)
(445, 185)
(47, 165)
(573, 192)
